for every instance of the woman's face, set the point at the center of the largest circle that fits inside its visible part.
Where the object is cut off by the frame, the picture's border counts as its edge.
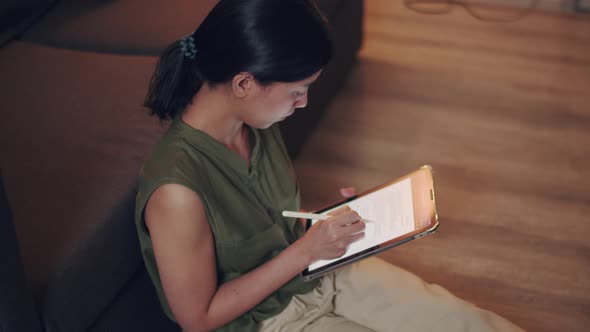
(275, 102)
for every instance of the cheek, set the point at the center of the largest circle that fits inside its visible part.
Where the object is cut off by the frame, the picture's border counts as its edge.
(280, 103)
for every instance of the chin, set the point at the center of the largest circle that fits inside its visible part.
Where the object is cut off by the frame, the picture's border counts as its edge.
(263, 125)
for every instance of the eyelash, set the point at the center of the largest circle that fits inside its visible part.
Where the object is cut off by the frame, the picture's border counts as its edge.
(299, 94)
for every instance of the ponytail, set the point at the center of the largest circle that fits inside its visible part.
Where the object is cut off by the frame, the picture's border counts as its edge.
(175, 81)
(275, 41)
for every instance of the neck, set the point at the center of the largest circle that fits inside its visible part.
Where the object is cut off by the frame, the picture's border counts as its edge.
(211, 112)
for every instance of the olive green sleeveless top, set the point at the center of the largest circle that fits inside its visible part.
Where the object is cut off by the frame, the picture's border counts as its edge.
(243, 206)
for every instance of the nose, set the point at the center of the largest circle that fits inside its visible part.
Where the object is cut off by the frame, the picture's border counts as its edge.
(301, 103)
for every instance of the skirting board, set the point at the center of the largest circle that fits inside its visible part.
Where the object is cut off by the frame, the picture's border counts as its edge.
(566, 6)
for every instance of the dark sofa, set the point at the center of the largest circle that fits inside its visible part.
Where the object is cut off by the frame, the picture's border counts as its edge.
(73, 135)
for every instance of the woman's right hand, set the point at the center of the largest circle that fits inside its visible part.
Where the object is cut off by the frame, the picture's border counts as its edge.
(328, 239)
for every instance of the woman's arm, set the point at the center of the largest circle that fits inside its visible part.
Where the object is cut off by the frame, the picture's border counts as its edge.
(185, 255)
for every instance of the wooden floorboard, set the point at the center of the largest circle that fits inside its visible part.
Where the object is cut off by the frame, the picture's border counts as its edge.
(502, 113)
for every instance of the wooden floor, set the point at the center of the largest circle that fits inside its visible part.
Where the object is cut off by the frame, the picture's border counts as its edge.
(502, 113)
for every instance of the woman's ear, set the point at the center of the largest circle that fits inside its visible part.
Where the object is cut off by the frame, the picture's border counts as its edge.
(243, 84)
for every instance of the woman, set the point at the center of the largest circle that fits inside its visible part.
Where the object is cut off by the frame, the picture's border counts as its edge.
(208, 209)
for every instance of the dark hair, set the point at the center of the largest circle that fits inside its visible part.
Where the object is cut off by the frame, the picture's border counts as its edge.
(274, 40)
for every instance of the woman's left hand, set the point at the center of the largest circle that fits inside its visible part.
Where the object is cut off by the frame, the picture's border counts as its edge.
(348, 192)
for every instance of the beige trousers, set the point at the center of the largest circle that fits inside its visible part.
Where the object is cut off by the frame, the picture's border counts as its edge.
(373, 295)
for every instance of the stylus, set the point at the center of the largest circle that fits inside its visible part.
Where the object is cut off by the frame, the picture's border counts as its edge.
(305, 215)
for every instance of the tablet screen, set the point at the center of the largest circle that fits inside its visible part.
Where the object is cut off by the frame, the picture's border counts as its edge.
(389, 213)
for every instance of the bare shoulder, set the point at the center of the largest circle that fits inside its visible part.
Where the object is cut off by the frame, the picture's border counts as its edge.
(174, 208)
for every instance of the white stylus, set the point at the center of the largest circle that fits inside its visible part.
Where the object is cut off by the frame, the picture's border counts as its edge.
(305, 215)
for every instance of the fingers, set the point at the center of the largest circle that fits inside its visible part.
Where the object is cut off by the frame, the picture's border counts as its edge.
(345, 218)
(348, 192)
(340, 232)
(344, 242)
(357, 227)
(355, 237)
(340, 211)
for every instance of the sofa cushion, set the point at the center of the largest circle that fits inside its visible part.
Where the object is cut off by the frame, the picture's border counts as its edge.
(101, 280)
(73, 136)
(136, 308)
(18, 15)
(127, 26)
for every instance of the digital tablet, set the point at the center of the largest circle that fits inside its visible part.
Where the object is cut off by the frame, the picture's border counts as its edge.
(397, 212)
